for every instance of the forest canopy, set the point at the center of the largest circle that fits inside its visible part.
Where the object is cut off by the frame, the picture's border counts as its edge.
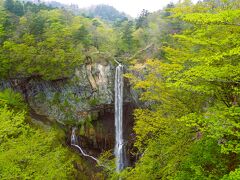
(182, 61)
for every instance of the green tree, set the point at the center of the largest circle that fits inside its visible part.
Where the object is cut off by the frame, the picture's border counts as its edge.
(25, 152)
(3, 18)
(9, 5)
(141, 21)
(15, 7)
(83, 36)
(190, 129)
(127, 43)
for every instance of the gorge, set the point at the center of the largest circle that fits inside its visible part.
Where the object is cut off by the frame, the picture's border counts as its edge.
(95, 95)
(95, 127)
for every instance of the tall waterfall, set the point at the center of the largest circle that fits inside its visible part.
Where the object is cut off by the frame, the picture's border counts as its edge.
(119, 146)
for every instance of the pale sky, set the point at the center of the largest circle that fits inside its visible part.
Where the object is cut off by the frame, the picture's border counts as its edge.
(131, 7)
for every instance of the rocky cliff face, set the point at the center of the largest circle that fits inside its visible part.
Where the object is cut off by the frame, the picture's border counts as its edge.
(68, 100)
(72, 100)
(99, 78)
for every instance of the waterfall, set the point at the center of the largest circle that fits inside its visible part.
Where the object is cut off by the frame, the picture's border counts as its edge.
(74, 143)
(73, 136)
(119, 146)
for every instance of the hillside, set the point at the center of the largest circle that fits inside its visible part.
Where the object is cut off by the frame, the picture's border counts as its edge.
(105, 12)
(90, 94)
(102, 11)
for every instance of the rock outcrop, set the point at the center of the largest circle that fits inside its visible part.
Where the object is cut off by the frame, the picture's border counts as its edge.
(75, 99)
(72, 101)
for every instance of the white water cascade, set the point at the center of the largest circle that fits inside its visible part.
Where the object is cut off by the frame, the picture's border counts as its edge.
(119, 146)
(74, 143)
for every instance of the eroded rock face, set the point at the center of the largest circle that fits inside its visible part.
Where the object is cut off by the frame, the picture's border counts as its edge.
(69, 100)
(90, 87)
(100, 78)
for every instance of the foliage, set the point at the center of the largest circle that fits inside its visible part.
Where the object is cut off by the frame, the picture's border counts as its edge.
(141, 21)
(105, 12)
(189, 126)
(28, 153)
(12, 100)
(15, 7)
(49, 43)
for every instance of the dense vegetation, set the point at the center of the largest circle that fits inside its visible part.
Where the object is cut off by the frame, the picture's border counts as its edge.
(50, 43)
(190, 130)
(36, 40)
(105, 12)
(24, 150)
(185, 64)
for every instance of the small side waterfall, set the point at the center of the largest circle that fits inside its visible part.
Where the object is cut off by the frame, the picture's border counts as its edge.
(119, 145)
(73, 136)
(74, 143)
